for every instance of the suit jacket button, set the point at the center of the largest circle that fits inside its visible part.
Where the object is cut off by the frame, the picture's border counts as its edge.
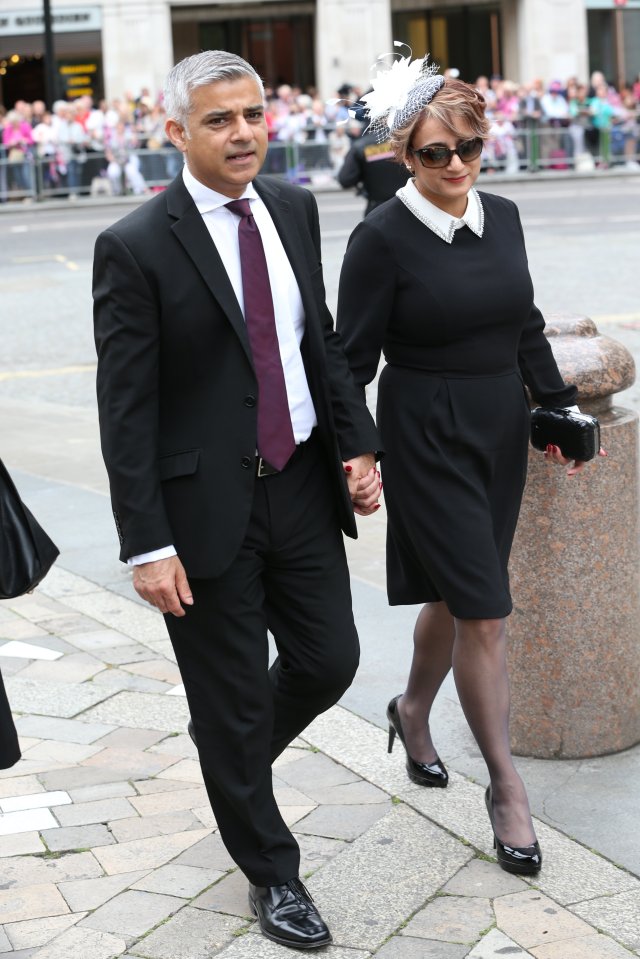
(246, 462)
(249, 400)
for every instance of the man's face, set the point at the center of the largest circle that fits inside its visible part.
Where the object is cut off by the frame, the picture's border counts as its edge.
(225, 140)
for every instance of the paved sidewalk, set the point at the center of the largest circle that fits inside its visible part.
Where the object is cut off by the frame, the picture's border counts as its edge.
(108, 846)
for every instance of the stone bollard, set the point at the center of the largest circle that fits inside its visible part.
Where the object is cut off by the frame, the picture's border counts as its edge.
(574, 634)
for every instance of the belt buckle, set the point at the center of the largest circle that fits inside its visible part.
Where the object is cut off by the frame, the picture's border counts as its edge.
(264, 468)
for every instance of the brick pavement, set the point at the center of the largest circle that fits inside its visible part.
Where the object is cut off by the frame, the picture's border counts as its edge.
(108, 846)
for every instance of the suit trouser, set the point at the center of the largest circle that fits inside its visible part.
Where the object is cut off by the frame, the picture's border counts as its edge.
(290, 577)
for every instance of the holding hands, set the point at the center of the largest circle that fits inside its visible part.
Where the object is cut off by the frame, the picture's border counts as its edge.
(365, 486)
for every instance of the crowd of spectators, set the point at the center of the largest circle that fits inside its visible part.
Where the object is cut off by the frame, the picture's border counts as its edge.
(79, 143)
(120, 146)
(562, 124)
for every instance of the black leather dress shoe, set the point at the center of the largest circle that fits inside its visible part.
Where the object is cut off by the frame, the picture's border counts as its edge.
(192, 733)
(287, 915)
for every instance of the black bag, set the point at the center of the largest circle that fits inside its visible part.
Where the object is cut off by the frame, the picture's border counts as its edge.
(26, 552)
(577, 434)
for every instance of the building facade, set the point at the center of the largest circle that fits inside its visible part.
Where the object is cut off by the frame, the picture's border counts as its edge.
(112, 47)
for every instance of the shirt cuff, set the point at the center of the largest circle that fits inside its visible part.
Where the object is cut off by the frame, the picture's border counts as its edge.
(164, 553)
(571, 409)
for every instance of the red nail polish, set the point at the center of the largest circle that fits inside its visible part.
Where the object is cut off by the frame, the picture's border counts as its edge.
(377, 506)
(348, 469)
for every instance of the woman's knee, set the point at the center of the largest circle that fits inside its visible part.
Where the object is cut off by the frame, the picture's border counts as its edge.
(486, 632)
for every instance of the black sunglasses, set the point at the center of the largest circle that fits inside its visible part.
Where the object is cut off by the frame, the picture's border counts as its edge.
(441, 156)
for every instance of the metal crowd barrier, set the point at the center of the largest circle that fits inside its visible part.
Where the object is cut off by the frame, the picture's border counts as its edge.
(146, 170)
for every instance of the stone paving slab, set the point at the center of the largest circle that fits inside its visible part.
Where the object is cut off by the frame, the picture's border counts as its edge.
(139, 827)
(31, 902)
(52, 699)
(451, 919)
(33, 870)
(589, 947)
(88, 894)
(495, 945)
(399, 871)
(192, 934)
(74, 668)
(66, 839)
(62, 730)
(617, 915)
(38, 932)
(21, 844)
(87, 943)
(142, 710)
(184, 881)
(229, 896)
(393, 877)
(146, 853)
(133, 913)
(255, 946)
(341, 822)
(84, 814)
(406, 948)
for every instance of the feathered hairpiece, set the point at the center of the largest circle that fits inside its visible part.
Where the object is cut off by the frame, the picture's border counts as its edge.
(400, 90)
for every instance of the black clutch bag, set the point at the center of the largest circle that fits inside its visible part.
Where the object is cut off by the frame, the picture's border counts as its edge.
(26, 552)
(577, 434)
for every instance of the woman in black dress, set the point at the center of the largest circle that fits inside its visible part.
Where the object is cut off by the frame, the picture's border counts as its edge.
(437, 280)
(9, 748)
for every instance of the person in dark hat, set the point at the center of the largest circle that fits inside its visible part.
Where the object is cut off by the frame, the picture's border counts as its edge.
(371, 167)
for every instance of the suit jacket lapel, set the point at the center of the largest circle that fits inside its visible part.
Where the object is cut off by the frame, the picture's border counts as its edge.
(287, 227)
(192, 233)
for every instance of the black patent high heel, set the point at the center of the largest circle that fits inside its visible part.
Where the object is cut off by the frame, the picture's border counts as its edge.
(424, 774)
(523, 860)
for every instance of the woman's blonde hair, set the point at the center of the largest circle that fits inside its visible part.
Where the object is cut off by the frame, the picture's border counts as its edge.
(455, 102)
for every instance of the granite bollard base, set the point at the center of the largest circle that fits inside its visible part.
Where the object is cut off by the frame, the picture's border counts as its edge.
(574, 635)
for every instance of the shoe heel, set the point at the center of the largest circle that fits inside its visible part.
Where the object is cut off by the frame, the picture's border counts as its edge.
(392, 736)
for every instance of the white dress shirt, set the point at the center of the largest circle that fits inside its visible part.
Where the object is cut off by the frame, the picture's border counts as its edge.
(222, 225)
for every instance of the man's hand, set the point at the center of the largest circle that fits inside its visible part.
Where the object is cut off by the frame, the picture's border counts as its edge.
(364, 484)
(164, 584)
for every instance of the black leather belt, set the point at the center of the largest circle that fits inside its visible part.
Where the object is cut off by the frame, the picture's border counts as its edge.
(266, 469)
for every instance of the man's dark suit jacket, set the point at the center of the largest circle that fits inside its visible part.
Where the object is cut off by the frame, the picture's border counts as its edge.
(177, 392)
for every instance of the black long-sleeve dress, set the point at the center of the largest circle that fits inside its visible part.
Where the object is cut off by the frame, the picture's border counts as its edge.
(460, 334)
(9, 748)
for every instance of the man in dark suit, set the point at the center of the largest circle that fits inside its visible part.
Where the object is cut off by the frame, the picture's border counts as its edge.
(224, 540)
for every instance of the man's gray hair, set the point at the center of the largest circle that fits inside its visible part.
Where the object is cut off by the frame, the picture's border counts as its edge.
(198, 70)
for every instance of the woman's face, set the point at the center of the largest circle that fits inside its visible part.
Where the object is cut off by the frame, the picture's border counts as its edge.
(446, 187)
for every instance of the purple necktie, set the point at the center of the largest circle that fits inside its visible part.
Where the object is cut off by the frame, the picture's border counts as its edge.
(276, 442)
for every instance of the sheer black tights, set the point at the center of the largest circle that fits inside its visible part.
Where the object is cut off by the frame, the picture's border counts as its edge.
(476, 650)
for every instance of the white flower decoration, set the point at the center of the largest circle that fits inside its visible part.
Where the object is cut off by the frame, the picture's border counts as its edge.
(399, 91)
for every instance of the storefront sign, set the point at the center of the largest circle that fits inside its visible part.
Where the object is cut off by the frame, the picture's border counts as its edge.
(67, 20)
(78, 78)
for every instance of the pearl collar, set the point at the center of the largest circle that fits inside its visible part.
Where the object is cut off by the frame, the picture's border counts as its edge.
(442, 224)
